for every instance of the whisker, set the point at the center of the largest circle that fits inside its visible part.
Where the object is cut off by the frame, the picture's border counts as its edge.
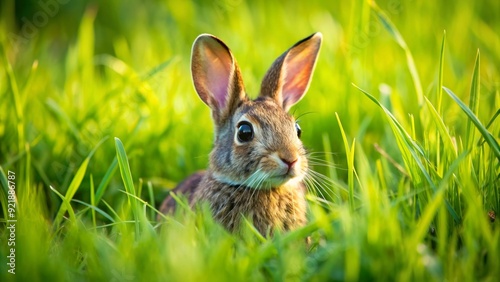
(250, 181)
(323, 153)
(325, 183)
(301, 115)
(313, 163)
(321, 187)
(311, 157)
(316, 187)
(263, 177)
(321, 200)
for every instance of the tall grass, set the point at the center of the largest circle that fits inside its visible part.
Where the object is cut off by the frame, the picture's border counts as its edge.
(98, 118)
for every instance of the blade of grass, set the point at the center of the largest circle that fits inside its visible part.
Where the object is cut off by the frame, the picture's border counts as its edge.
(103, 185)
(445, 136)
(332, 173)
(380, 172)
(112, 211)
(254, 230)
(159, 68)
(440, 76)
(86, 45)
(146, 204)
(65, 206)
(127, 179)
(95, 209)
(76, 182)
(473, 102)
(177, 198)
(5, 190)
(493, 119)
(439, 102)
(408, 147)
(63, 117)
(393, 162)
(127, 72)
(433, 206)
(486, 135)
(152, 199)
(481, 140)
(4, 181)
(26, 89)
(92, 199)
(139, 187)
(403, 138)
(28, 166)
(124, 167)
(350, 163)
(16, 97)
(73, 187)
(396, 35)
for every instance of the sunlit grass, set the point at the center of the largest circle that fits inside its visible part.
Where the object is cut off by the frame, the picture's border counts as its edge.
(98, 117)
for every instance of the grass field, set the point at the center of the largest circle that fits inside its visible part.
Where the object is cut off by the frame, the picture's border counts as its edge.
(98, 118)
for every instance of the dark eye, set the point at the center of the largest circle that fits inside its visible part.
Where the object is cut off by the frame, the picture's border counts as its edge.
(299, 131)
(245, 131)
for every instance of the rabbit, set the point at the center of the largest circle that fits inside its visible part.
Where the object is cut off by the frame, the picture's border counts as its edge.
(258, 162)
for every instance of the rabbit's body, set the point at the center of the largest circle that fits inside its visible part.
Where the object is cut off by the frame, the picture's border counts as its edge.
(258, 163)
(283, 207)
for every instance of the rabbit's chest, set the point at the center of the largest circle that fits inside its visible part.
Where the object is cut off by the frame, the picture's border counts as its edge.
(282, 208)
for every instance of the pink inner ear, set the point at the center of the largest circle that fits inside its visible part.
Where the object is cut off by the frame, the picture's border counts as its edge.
(218, 67)
(297, 69)
(299, 65)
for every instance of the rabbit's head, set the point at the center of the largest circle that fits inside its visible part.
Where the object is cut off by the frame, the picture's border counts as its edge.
(257, 142)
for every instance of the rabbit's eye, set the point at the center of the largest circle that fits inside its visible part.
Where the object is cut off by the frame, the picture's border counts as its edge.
(299, 130)
(245, 131)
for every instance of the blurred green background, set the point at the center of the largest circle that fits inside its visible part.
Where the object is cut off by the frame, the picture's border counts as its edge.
(109, 68)
(76, 74)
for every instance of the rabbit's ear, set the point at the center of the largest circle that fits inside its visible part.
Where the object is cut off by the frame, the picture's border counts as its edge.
(216, 76)
(290, 75)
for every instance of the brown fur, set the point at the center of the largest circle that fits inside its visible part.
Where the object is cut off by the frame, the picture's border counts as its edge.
(282, 208)
(186, 188)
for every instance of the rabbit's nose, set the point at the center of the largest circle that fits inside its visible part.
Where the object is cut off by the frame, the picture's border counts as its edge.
(288, 162)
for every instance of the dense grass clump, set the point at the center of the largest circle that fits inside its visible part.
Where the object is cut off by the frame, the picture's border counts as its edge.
(98, 118)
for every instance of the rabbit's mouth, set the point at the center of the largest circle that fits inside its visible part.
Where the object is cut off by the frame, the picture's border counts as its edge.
(279, 178)
(273, 171)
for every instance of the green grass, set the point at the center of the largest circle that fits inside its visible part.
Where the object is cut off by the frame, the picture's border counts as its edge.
(98, 118)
